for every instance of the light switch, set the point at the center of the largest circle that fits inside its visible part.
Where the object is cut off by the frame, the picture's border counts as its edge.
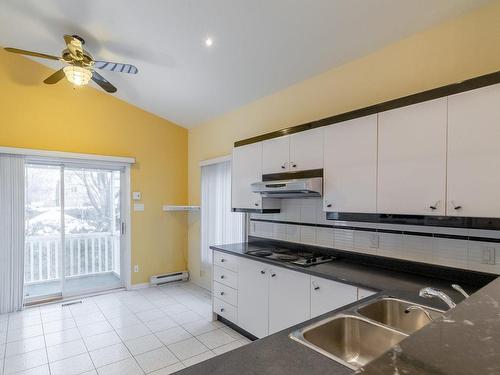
(136, 195)
(138, 207)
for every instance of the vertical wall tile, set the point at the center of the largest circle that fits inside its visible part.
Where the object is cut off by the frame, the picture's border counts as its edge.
(451, 252)
(308, 235)
(364, 242)
(390, 245)
(292, 233)
(324, 237)
(343, 239)
(308, 211)
(418, 248)
(292, 209)
(280, 232)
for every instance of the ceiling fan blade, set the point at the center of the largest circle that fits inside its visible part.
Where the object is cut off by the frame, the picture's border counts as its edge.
(54, 78)
(31, 53)
(103, 82)
(116, 67)
(74, 46)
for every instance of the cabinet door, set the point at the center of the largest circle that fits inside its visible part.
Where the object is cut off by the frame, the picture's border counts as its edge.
(412, 159)
(306, 150)
(246, 169)
(253, 297)
(474, 153)
(289, 298)
(276, 155)
(351, 166)
(328, 295)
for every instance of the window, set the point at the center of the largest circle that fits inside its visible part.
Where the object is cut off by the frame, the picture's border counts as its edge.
(218, 224)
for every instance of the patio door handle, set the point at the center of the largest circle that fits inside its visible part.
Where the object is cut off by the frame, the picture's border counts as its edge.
(123, 227)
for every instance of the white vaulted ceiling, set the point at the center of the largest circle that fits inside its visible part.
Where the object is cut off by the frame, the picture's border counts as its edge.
(259, 46)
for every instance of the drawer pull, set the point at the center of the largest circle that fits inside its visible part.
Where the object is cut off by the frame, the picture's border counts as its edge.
(222, 260)
(273, 274)
(222, 310)
(316, 288)
(263, 272)
(221, 276)
(221, 293)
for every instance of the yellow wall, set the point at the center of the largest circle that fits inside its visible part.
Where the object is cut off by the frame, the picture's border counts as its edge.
(34, 115)
(462, 48)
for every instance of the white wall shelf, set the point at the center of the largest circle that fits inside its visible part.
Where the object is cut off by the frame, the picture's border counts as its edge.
(181, 208)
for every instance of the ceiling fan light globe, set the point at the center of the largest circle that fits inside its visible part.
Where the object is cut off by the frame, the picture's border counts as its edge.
(77, 75)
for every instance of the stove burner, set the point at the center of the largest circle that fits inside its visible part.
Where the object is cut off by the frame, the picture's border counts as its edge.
(280, 251)
(305, 254)
(260, 253)
(286, 257)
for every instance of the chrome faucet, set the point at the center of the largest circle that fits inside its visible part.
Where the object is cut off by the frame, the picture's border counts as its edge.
(436, 293)
(416, 307)
(459, 289)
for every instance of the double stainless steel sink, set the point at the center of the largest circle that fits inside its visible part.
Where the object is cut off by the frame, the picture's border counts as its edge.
(357, 338)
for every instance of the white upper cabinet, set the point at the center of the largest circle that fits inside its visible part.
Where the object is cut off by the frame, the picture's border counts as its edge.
(306, 150)
(412, 159)
(276, 155)
(350, 166)
(297, 152)
(474, 153)
(289, 298)
(246, 169)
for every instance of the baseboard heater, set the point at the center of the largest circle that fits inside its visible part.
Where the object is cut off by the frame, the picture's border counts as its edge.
(169, 278)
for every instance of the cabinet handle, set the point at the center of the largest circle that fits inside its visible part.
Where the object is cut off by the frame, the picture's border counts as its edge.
(221, 293)
(273, 274)
(222, 310)
(283, 166)
(263, 272)
(456, 207)
(316, 288)
(222, 276)
(256, 204)
(329, 205)
(222, 260)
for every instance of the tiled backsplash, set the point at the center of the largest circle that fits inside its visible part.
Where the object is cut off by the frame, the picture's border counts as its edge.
(303, 221)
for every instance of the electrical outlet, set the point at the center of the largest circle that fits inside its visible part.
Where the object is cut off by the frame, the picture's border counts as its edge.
(374, 241)
(136, 268)
(488, 256)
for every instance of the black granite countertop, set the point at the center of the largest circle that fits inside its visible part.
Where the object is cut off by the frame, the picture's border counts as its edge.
(465, 341)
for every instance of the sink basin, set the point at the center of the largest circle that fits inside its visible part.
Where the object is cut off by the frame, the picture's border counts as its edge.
(348, 339)
(391, 312)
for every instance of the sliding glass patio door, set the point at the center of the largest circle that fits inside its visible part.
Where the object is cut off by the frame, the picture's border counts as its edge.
(79, 207)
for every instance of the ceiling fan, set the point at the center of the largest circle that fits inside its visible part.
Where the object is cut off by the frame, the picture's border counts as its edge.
(81, 66)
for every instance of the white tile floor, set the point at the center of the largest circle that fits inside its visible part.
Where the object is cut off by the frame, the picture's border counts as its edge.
(154, 331)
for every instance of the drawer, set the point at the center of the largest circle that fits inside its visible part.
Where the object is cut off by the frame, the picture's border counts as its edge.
(225, 293)
(226, 261)
(226, 277)
(225, 310)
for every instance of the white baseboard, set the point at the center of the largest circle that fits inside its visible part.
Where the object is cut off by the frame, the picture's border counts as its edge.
(139, 286)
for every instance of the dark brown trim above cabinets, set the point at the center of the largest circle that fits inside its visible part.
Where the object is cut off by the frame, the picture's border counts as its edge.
(257, 210)
(454, 88)
(292, 175)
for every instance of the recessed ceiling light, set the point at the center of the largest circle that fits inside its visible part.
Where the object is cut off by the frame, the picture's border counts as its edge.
(209, 41)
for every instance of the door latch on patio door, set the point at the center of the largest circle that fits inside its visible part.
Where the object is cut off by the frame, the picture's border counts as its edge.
(123, 228)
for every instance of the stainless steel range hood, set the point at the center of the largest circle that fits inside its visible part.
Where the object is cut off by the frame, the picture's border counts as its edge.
(296, 188)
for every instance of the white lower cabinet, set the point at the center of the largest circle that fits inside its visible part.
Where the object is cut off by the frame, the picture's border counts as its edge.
(272, 298)
(253, 297)
(328, 295)
(289, 298)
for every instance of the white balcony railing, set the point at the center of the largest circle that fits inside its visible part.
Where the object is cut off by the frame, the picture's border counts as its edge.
(85, 254)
